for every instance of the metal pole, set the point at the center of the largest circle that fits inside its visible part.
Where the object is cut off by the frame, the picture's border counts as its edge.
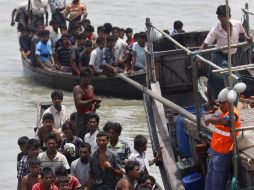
(231, 106)
(248, 31)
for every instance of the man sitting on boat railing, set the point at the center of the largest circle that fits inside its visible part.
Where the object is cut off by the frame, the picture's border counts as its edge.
(219, 34)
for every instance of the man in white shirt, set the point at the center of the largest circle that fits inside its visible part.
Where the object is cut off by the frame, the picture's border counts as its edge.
(57, 110)
(90, 137)
(219, 34)
(95, 56)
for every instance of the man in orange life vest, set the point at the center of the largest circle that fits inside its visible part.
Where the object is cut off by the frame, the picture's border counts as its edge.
(221, 146)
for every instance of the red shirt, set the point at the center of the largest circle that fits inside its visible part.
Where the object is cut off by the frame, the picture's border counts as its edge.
(85, 109)
(74, 182)
(39, 186)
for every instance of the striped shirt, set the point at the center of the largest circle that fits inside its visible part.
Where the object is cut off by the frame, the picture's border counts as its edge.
(64, 56)
(75, 11)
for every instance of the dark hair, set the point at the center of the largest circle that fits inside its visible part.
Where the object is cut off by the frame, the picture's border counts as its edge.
(45, 33)
(116, 127)
(128, 30)
(63, 27)
(116, 28)
(50, 136)
(32, 143)
(65, 36)
(63, 180)
(57, 92)
(61, 171)
(88, 43)
(122, 29)
(85, 72)
(85, 145)
(86, 20)
(135, 36)
(90, 28)
(146, 177)
(101, 29)
(48, 116)
(33, 161)
(22, 140)
(67, 126)
(108, 28)
(221, 10)
(73, 116)
(107, 126)
(76, 26)
(178, 24)
(142, 35)
(80, 36)
(110, 38)
(46, 171)
(139, 141)
(102, 134)
(100, 40)
(130, 165)
(96, 116)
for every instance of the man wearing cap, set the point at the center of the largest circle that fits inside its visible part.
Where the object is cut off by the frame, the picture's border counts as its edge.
(219, 34)
(221, 145)
(85, 102)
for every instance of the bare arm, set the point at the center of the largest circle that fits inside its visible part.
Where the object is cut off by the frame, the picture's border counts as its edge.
(214, 120)
(122, 184)
(12, 17)
(24, 183)
(203, 46)
(77, 94)
(90, 182)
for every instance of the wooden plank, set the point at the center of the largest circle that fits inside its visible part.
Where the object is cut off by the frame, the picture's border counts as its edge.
(164, 138)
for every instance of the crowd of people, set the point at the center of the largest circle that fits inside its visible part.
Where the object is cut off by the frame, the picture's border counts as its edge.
(108, 51)
(73, 152)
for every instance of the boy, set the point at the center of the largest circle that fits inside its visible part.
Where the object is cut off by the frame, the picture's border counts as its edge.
(25, 42)
(48, 122)
(34, 176)
(32, 147)
(22, 145)
(85, 55)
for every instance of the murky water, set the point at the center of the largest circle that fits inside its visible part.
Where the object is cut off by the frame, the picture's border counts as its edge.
(19, 96)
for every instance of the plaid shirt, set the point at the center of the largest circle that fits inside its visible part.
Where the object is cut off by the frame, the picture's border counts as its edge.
(122, 149)
(108, 57)
(23, 167)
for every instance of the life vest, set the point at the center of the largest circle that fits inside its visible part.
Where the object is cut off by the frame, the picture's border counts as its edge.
(222, 140)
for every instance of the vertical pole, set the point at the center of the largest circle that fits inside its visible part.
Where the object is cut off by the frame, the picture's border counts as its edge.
(231, 106)
(196, 94)
(147, 56)
(247, 20)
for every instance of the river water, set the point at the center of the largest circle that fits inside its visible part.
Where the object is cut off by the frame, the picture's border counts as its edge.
(19, 96)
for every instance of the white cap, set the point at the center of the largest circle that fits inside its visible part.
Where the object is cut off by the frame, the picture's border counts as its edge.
(223, 95)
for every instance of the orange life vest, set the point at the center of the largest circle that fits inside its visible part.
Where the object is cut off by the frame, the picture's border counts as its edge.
(222, 140)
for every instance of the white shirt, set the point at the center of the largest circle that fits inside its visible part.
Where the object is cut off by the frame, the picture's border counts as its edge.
(217, 33)
(141, 159)
(95, 58)
(59, 117)
(39, 6)
(120, 47)
(91, 139)
(56, 4)
(59, 160)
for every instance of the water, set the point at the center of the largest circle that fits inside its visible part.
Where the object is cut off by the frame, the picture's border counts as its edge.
(19, 96)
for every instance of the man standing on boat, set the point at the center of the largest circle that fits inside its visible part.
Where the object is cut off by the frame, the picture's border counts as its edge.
(219, 34)
(85, 102)
(221, 146)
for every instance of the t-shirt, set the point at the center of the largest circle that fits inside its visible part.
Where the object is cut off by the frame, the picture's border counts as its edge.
(38, 7)
(120, 47)
(56, 4)
(59, 160)
(44, 50)
(39, 186)
(140, 55)
(64, 56)
(80, 171)
(75, 53)
(95, 58)
(25, 43)
(84, 59)
(91, 139)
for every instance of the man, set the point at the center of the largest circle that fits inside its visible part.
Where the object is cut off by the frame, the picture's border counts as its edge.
(34, 176)
(74, 13)
(32, 147)
(95, 56)
(85, 102)
(56, 8)
(138, 58)
(48, 122)
(138, 154)
(20, 15)
(93, 131)
(219, 34)
(178, 28)
(221, 146)
(85, 55)
(80, 168)
(104, 169)
(117, 145)
(129, 35)
(132, 175)
(57, 109)
(47, 179)
(37, 8)
(51, 157)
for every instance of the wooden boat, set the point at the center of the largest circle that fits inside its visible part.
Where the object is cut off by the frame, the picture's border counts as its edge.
(169, 73)
(106, 86)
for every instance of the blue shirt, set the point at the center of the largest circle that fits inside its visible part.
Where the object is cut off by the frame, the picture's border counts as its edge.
(140, 55)
(44, 51)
